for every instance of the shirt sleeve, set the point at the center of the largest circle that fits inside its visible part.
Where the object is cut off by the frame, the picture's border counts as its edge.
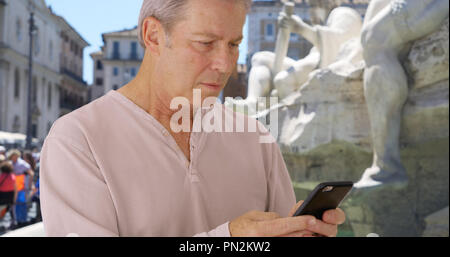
(280, 190)
(24, 167)
(75, 199)
(221, 231)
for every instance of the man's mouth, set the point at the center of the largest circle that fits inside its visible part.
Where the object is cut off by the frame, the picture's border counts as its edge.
(213, 86)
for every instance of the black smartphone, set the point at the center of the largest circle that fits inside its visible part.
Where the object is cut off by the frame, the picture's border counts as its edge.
(325, 196)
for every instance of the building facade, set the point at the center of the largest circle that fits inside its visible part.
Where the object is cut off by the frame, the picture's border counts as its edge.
(73, 89)
(117, 63)
(47, 77)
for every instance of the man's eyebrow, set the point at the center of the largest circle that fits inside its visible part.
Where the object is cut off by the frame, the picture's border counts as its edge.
(206, 34)
(212, 35)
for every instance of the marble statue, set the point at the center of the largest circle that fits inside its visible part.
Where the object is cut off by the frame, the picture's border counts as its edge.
(343, 24)
(389, 28)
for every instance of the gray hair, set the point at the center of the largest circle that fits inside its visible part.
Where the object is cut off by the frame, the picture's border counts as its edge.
(168, 12)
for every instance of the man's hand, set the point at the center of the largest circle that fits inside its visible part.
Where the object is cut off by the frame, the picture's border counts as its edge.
(328, 225)
(257, 223)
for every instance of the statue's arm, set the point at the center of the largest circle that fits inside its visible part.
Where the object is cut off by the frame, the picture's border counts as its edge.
(298, 26)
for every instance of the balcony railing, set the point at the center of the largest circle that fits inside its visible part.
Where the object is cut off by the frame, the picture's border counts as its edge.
(131, 57)
(69, 104)
(73, 76)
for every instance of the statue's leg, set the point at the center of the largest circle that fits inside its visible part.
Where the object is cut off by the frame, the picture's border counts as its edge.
(290, 80)
(259, 81)
(385, 82)
(386, 91)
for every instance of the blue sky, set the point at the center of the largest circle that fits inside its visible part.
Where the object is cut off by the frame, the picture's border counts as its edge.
(91, 18)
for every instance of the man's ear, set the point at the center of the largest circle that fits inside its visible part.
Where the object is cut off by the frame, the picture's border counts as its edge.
(151, 31)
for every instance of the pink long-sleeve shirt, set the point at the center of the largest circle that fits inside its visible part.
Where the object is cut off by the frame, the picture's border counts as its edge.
(111, 169)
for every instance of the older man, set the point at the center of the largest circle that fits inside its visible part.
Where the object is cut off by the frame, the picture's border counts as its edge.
(117, 168)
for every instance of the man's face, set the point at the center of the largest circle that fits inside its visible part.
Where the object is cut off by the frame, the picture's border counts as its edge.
(204, 48)
(14, 158)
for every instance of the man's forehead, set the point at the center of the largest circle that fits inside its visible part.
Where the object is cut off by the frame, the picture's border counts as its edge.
(212, 11)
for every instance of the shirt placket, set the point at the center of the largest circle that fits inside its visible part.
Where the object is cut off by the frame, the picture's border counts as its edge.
(193, 173)
(195, 142)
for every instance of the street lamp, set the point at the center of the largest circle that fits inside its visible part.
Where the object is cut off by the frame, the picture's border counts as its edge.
(32, 32)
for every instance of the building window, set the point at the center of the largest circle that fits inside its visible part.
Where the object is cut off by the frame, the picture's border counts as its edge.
(294, 37)
(269, 31)
(37, 46)
(116, 71)
(43, 89)
(133, 72)
(49, 103)
(19, 30)
(50, 50)
(116, 50)
(133, 55)
(99, 65)
(17, 84)
(99, 82)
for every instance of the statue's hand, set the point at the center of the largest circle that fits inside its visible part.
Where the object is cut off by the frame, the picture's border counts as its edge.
(293, 22)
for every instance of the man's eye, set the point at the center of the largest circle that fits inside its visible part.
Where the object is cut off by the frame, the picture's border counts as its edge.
(205, 43)
(233, 45)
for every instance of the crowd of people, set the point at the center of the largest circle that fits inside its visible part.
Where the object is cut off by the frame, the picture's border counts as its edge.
(19, 187)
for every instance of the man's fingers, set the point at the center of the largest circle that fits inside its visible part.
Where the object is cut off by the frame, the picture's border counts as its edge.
(260, 216)
(324, 229)
(294, 209)
(284, 226)
(336, 216)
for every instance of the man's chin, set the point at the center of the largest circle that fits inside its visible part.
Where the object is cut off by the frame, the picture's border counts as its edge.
(209, 92)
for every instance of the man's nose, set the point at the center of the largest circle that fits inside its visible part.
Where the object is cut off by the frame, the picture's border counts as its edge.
(224, 60)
